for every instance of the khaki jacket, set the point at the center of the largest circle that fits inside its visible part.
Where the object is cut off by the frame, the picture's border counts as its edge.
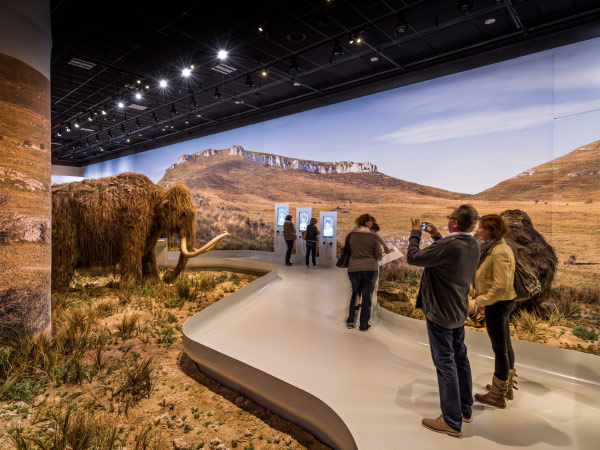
(289, 231)
(495, 275)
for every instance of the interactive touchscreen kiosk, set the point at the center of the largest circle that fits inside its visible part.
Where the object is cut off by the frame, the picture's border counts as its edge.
(328, 238)
(303, 216)
(281, 210)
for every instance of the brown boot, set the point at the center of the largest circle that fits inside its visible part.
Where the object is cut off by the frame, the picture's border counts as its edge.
(496, 395)
(512, 374)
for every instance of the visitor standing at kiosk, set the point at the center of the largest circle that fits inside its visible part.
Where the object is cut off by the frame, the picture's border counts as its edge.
(289, 234)
(450, 264)
(311, 237)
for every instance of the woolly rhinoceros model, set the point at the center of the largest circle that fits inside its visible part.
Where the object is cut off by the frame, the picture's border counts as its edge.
(532, 250)
(99, 223)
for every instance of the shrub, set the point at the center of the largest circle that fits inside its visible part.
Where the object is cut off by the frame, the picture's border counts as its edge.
(186, 290)
(128, 326)
(526, 325)
(584, 333)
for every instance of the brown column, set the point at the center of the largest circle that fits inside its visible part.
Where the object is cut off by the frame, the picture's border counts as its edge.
(25, 202)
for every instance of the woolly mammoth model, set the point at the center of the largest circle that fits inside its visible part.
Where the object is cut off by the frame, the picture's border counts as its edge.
(532, 250)
(99, 223)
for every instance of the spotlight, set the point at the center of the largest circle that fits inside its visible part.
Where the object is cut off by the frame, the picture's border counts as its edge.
(222, 55)
(59, 132)
(293, 65)
(465, 5)
(101, 148)
(164, 129)
(154, 117)
(123, 128)
(147, 87)
(374, 58)
(296, 83)
(87, 142)
(128, 140)
(172, 126)
(91, 116)
(137, 123)
(237, 101)
(77, 123)
(192, 66)
(109, 134)
(138, 95)
(173, 110)
(104, 110)
(163, 83)
(139, 81)
(95, 112)
(490, 21)
(121, 105)
(337, 50)
(186, 72)
(264, 72)
(249, 83)
(97, 139)
(401, 27)
(217, 94)
(193, 103)
(68, 127)
(350, 39)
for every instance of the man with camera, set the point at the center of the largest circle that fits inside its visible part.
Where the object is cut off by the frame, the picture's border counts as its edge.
(450, 264)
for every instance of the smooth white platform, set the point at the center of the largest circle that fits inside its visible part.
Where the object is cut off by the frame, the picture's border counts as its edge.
(283, 341)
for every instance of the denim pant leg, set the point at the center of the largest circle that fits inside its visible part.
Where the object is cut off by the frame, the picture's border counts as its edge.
(369, 277)
(311, 247)
(356, 282)
(442, 353)
(463, 369)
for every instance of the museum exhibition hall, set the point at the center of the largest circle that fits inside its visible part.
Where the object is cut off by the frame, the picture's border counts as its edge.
(299, 224)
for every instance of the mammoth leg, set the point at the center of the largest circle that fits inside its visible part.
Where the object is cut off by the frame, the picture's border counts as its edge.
(150, 266)
(131, 260)
(64, 259)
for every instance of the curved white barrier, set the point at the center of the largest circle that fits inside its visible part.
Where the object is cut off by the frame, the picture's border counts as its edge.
(282, 341)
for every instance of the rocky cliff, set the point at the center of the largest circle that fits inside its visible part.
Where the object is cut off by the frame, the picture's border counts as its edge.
(266, 159)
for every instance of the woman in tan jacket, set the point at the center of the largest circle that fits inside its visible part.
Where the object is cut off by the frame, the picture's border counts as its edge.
(494, 287)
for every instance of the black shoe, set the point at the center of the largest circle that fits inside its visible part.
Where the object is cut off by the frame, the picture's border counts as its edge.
(288, 264)
(364, 329)
(350, 324)
(358, 306)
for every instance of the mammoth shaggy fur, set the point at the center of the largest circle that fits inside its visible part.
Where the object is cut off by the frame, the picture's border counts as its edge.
(532, 250)
(102, 222)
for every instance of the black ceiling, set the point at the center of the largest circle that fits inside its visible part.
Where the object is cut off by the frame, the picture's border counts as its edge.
(132, 45)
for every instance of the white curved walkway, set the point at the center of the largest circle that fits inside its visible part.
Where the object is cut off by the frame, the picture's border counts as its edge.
(283, 341)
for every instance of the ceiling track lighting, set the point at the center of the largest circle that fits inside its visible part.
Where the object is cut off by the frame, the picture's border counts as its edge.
(91, 116)
(137, 123)
(123, 128)
(77, 123)
(59, 132)
(217, 94)
(264, 72)
(87, 142)
(293, 65)
(121, 105)
(109, 134)
(186, 72)
(465, 5)
(138, 95)
(337, 49)
(154, 117)
(173, 110)
(249, 83)
(401, 27)
(104, 110)
(97, 139)
(68, 127)
(193, 103)
(222, 55)
(163, 83)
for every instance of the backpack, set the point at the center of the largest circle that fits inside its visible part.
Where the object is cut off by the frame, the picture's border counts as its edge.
(526, 284)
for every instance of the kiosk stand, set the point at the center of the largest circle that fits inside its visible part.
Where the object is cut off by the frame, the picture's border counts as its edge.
(303, 216)
(281, 210)
(328, 238)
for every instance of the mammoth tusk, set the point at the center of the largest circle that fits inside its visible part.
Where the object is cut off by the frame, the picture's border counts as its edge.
(208, 246)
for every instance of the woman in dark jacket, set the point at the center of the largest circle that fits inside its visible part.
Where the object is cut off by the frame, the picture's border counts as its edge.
(363, 269)
(311, 237)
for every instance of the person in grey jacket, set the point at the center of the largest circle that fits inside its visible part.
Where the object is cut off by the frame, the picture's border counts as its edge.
(450, 264)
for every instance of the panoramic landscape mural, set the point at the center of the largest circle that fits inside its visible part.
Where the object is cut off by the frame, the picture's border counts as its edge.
(517, 135)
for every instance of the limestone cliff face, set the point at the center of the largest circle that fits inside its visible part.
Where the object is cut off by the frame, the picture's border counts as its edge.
(266, 159)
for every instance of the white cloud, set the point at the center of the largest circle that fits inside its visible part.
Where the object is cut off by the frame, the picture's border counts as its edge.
(468, 125)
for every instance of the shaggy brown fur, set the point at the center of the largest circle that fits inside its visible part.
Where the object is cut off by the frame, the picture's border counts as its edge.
(114, 220)
(532, 250)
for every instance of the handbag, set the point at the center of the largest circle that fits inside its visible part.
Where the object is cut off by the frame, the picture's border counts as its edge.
(344, 258)
(526, 284)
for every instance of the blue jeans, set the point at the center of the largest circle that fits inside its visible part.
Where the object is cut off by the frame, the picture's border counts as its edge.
(362, 285)
(311, 247)
(449, 355)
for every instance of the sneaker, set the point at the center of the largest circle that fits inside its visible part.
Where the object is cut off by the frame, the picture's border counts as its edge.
(467, 419)
(439, 426)
(350, 324)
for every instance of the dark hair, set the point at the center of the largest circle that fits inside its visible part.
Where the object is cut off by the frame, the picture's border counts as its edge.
(466, 217)
(363, 219)
(288, 217)
(313, 220)
(495, 224)
(375, 227)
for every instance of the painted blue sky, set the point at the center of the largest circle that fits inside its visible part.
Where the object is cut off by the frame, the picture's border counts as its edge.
(464, 132)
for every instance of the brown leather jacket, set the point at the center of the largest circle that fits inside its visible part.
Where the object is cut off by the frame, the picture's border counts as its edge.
(289, 231)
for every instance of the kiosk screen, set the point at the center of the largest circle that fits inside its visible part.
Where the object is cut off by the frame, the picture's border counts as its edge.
(328, 227)
(303, 221)
(281, 213)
